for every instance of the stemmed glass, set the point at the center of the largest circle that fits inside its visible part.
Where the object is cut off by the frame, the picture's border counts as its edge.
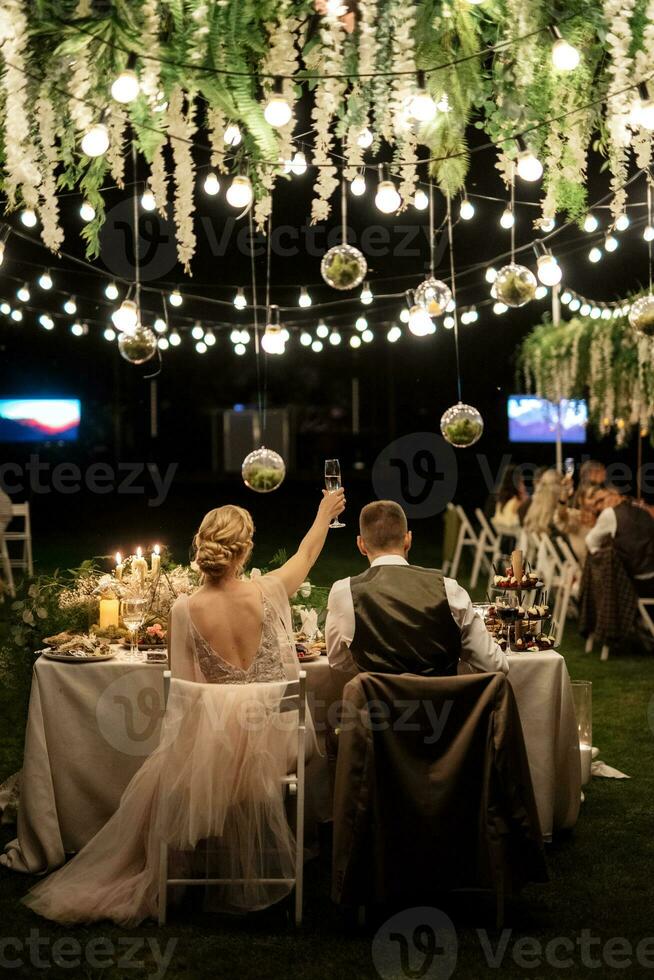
(333, 483)
(133, 612)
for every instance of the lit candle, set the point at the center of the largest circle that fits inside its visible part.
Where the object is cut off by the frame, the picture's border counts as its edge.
(140, 566)
(109, 610)
(119, 566)
(156, 561)
(586, 753)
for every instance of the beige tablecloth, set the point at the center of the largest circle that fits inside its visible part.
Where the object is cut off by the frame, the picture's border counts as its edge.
(90, 726)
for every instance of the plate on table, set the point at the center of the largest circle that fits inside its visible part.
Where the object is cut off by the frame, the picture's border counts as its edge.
(81, 657)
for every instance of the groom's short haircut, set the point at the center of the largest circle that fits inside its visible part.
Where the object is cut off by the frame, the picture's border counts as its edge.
(383, 525)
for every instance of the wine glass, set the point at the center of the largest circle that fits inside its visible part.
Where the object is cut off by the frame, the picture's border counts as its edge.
(133, 613)
(333, 483)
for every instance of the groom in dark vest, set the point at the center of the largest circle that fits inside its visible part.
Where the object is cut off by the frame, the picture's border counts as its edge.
(398, 618)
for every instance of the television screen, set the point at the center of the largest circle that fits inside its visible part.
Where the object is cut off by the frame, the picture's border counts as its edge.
(534, 419)
(39, 419)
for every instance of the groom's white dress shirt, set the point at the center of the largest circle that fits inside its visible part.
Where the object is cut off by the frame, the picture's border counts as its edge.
(477, 645)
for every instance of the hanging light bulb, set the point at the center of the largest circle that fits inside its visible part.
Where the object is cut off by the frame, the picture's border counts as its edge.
(362, 324)
(240, 349)
(541, 292)
(499, 308)
(95, 141)
(529, 166)
(584, 309)
(322, 330)
(566, 297)
(126, 317)
(197, 333)
(232, 135)
(70, 306)
(422, 107)
(210, 338)
(305, 339)
(355, 341)
(77, 329)
(467, 210)
(387, 198)
(148, 202)
(235, 336)
(648, 233)
(549, 270)
(508, 219)
(366, 294)
(5, 309)
(277, 112)
(358, 185)
(46, 321)
(305, 299)
(574, 304)
(491, 274)
(610, 243)
(565, 57)
(175, 298)
(87, 211)
(126, 86)
(590, 223)
(239, 192)
(595, 254)
(299, 164)
(420, 200)
(393, 334)
(163, 343)
(211, 184)
(316, 345)
(335, 338)
(420, 322)
(175, 339)
(109, 334)
(23, 294)
(622, 222)
(28, 218)
(365, 138)
(367, 336)
(111, 290)
(448, 322)
(160, 325)
(16, 315)
(240, 301)
(547, 225)
(45, 280)
(201, 347)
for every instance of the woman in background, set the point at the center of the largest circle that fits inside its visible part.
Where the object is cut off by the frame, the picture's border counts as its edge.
(539, 518)
(510, 497)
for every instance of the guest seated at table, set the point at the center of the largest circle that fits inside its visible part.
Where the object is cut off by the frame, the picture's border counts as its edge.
(539, 518)
(511, 496)
(399, 618)
(226, 632)
(632, 530)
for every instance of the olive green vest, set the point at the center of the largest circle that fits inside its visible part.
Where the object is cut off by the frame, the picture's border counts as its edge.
(403, 622)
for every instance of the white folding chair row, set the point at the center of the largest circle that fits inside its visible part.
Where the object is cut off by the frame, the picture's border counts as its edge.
(294, 699)
(22, 537)
(7, 572)
(466, 538)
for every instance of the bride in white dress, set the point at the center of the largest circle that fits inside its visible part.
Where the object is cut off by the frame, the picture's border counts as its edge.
(215, 777)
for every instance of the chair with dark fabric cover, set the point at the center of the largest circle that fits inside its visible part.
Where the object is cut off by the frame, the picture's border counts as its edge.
(432, 791)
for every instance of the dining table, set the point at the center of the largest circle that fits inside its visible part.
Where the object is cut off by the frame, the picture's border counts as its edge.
(91, 725)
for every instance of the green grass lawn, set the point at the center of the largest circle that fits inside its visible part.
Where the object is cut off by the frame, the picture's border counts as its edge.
(601, 874)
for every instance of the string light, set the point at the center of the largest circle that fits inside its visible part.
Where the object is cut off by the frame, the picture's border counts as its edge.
(126, 87)
(210, 338)
(499, 308)
(528, 166)
(448, 322)
(362, 324)
(240, 349)
(547, 225)
(358, 185)
(95, 141)
(201, 347)
(595, 313)
(316, 346)
(322, 330)
(240, 301)
(111, 291)
(393, 334)
(595, 254)
(17, 315)
(175, 298)
(175, 339)
(355, 341)
(299, 164)
(211, 184)
(77, 329)
(591, 223)
(46, 321)
(28, 218)
(232, 135)
(23, 294)
(610, 243)
(5, 308)
(87, 211)
(574, 304)
(584, 309)
(305, 339)
(622, 222)
(565, 57)
(335, 338)
(367, 336)
(422, 107)
(45, 280)
(305, 300)
(70, 306)
(160, 325)
(404, 315)
(109, 334)
(648, 233)
(491, 274)
(566, 297)
(148, 201)
(420, 200)
(541, 292)
(235, 336)
(549, 270)
(467, 210)
(365, 139)
(387, 198)
(126, 317)
(239, 192)
(277, 112)
(420, 322)
(163, 343)
(197, 333)
(366, 294)
(507, 220)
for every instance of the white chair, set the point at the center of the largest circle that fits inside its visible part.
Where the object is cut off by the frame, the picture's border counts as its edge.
(23, 537)
(467, 538)
(568, 578)
(489, 548)
(6, 565)
(294, 699)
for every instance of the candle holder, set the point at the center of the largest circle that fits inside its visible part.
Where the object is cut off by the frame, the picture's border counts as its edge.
(582, 694)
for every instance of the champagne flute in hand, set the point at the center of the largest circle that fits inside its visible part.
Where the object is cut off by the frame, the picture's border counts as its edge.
(333, 483)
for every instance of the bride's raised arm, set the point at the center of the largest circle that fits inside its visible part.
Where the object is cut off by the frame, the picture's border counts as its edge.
(294, 572)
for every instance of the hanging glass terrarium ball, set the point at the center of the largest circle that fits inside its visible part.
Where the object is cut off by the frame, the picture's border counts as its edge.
(515, 285)
(434, 296)
(263, 470)
(641, 315)
(343, 267)
(138, 346)
(462, 425)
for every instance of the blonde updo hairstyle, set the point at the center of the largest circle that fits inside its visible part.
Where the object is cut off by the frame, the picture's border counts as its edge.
(223, 540)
